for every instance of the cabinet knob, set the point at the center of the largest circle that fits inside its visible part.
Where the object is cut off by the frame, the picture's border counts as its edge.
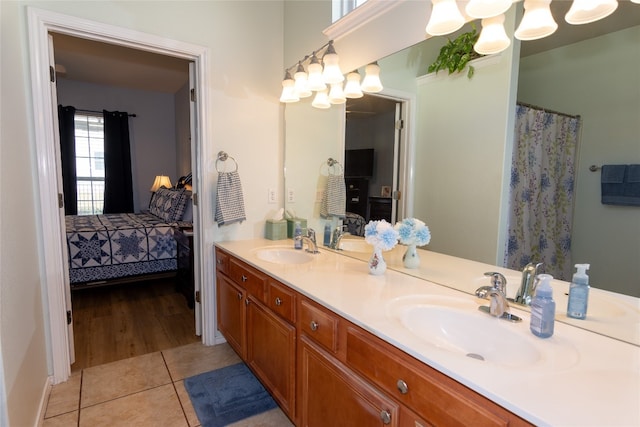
(385, 416)
(402, 387)
(278, 301)
(314, 325)
(219, 261)
(244, 278)
(239, 295)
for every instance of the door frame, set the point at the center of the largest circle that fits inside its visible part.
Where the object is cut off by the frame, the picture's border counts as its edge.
(40, 23)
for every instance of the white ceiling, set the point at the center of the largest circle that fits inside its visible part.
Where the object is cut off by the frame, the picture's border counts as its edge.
(96, 62)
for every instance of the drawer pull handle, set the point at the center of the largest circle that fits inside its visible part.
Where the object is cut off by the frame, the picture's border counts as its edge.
(239, 295)
(314, 325)
(402, 387)
(278, 301)
(219, 262)
(246, 302)
(244, 278)
(385, 416)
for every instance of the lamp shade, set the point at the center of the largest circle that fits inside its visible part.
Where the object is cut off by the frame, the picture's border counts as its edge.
(331, 73)
(586, 11)
(445, 18)
(288, 90)
(493, 38)
(352, 87)
(487, 8)
(315, 81)
(537, 21)
(321, 100)
(301, 83)
(160, 181)
(336, 94)
(371, 82)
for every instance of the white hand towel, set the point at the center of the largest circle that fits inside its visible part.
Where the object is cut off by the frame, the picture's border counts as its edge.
(334, 199)
(229, 199)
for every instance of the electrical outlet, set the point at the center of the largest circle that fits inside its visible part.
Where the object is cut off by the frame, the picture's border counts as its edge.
(272, 197)
(291, 195)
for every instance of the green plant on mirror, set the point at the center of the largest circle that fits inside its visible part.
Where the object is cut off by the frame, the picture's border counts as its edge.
(456, 54)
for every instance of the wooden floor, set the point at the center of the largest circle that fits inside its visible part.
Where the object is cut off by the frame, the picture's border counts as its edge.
(117, 322)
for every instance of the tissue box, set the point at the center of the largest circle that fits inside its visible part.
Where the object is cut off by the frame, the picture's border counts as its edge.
(276, 230)
(291, 226)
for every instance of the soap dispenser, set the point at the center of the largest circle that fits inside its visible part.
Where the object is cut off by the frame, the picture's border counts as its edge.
(327, 234)
(297, 236)
(543, 307)
(579, 293)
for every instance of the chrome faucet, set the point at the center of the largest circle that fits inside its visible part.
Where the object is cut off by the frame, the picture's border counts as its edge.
(338, 234)
(310, 238)
(528, 284)
(497, 294)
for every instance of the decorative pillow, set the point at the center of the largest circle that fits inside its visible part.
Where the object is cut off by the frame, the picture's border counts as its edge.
(169, 204)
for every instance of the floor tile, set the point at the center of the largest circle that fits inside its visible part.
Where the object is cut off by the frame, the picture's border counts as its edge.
(64, 397)
(272, 418)
(116, 379)
(70, 419)
(185, 400)
(193, 359)
(156, 407)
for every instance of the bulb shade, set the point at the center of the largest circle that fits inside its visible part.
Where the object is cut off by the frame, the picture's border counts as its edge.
(371, 82)
(493, 38)
(288, 90)
(315, 81)
(635, 1)
(586, 11)
(487, 8)
(160, 181)
(331, 73)
(301, 85)
(352, 87)
(445, 18)
(537, 21)
(321, 100)
(336, 94)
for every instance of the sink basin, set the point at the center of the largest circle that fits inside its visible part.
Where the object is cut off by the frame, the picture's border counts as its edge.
(355, 245)
(283, 255)
(456, 326)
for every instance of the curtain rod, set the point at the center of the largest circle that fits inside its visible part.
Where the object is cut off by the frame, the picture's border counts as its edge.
(99, 112)
(546, 110)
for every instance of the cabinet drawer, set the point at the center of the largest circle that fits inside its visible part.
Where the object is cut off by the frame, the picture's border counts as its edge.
(319, 324)
(433, 396)
(222, 261)
(281, 300)
(249, 278)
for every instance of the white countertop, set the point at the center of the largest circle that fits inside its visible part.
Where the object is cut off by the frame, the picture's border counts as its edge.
(597, 383)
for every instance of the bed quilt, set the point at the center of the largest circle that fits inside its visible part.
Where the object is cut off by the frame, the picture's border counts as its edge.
(110, 246)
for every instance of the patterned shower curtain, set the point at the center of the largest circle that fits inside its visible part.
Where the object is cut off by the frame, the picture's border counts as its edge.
(542, 191)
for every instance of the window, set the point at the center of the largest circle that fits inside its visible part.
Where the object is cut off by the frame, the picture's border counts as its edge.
(341, 7)
(89, 130)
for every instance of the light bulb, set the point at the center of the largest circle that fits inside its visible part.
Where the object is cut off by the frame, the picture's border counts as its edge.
(445, 18)
(493, 38)
(371, 82)
(537, 21)
(352, 87)
(586, 11)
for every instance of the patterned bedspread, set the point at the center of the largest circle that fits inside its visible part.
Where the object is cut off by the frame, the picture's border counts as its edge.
(118, 245)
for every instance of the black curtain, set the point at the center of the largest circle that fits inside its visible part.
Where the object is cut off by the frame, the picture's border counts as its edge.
(68, 161)
(118, 186)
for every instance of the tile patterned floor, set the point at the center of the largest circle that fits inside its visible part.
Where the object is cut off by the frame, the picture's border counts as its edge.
(143, 391)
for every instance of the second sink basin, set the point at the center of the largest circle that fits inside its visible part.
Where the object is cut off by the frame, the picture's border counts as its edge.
(283, 255)
(355, 245)
(457, 326)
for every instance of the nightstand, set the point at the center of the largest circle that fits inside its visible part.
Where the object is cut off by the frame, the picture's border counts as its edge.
(184, 276)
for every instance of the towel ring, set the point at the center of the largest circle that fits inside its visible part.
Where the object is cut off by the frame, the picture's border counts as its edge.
(332, 164)
(223, 157)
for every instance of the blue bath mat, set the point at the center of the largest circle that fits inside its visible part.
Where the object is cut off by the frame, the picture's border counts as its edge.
(227, 395)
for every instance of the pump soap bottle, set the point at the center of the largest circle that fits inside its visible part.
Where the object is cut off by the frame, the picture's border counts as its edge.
(579, 293)
(543, 308)
(297, 236)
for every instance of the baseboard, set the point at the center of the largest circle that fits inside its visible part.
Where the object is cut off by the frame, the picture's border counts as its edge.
(44, 399)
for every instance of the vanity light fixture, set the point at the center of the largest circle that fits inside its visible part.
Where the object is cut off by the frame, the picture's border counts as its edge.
(493, 38)
(325, 78)
(537, 21)
(586, 11)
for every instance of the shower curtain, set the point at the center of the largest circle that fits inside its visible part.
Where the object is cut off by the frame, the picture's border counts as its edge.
(542, 191)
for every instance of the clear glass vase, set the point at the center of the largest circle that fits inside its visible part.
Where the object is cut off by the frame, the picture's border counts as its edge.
(411, 259)
(377, 265)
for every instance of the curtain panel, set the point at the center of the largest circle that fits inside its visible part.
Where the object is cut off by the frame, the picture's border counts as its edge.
(68, 158)
(118, 184)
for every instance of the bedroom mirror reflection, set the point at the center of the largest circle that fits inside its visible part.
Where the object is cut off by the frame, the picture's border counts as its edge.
(459, 185)
(131, 278)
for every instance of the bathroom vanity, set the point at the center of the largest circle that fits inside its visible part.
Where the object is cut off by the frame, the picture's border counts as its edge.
(337, 346)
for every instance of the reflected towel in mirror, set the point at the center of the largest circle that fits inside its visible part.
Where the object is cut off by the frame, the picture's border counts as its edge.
(334, 199)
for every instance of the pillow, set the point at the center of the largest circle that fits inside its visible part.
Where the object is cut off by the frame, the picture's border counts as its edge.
(169, 204)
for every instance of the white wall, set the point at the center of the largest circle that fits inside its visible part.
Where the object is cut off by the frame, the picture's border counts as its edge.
(604, 89)
(245, 41)
(152, 132)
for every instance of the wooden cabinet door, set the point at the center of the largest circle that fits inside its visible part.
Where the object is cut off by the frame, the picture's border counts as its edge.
(271, 352)
(333, 396)
(231, 313)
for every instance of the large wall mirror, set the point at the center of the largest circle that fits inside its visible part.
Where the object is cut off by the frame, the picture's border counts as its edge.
(461, 156)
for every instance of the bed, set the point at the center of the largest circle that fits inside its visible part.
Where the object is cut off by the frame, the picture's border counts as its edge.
(119, 248)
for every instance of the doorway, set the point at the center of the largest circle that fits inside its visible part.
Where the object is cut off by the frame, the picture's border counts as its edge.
(41, 23)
